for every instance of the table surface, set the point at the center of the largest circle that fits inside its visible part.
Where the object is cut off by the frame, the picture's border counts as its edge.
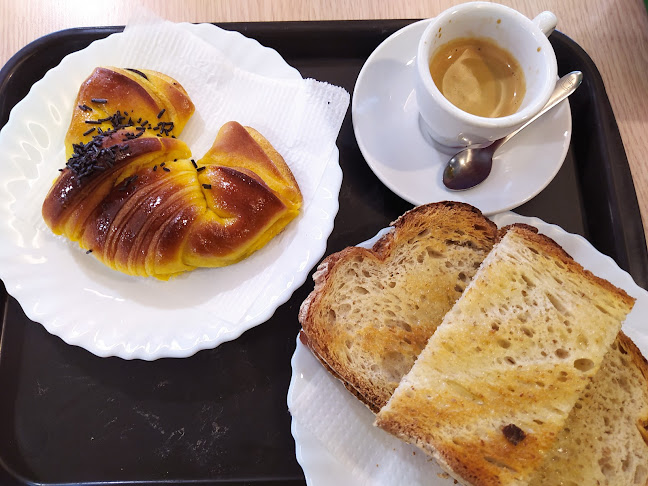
(613, 32)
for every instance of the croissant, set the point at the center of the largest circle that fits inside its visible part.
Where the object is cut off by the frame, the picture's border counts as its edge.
(132, 195)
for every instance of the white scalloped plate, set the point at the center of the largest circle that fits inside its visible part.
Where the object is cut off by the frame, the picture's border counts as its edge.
(103, 311)
(322, 468)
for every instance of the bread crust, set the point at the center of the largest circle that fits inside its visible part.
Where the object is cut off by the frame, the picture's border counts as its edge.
(638, 359)
(304, 340)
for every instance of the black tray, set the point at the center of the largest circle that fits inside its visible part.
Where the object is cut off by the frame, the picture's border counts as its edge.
(68, 417)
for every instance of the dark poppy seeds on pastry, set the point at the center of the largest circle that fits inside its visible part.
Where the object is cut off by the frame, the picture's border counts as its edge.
(137, 72)
(164, 127)
(91, 156)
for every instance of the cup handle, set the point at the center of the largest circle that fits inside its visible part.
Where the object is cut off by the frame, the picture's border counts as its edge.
(546, 22)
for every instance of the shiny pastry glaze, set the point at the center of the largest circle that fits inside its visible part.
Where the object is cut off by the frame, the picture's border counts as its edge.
(133, 197)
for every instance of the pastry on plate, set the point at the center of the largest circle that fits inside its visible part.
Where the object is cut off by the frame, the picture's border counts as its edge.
(132, 195)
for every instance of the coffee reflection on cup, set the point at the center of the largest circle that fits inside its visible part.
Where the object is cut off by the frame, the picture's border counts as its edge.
(482, 70)
(478, 76)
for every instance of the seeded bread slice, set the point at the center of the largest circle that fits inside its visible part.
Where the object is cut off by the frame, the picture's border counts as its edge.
(496, 382)
(373, 310)
(605, 438)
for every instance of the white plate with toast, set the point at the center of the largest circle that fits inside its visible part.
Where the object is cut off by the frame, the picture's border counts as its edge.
(386, 126)
(336, 442)
(112, 314)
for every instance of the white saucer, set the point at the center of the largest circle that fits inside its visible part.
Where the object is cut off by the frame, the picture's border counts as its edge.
(385, 121)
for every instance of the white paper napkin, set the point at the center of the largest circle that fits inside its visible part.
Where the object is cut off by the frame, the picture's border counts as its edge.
(301, 118)
(344, 426)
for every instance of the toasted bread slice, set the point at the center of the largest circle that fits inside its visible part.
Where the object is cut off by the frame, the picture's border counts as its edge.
(496, 382)
(605, 438)
(372, 311)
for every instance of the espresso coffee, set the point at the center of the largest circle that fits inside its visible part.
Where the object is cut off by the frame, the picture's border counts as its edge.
(478, 76)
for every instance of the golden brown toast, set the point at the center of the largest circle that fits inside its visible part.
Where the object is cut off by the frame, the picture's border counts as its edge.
(373, 310)
(494, 386)
(605, 438)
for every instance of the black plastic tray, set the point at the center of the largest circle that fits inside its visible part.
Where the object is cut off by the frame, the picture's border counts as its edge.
(68, 417)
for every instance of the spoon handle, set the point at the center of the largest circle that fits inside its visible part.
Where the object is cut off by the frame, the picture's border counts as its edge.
(564, 87)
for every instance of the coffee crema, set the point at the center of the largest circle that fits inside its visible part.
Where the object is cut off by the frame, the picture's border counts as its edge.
(478, 76)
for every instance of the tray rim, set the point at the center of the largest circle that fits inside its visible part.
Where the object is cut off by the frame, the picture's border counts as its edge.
(631, 238)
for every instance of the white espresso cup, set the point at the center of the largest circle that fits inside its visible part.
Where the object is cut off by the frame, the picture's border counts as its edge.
(525, 39)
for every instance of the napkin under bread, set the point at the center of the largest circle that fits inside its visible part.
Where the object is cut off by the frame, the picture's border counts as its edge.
(301, 118)
(343, 425)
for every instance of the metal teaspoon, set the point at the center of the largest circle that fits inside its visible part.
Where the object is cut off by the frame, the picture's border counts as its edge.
(472, 166)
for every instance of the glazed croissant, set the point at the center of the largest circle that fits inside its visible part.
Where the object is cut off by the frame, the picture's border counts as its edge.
(132, 195)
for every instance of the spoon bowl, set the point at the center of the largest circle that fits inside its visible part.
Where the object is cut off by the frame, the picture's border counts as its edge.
(472, 166)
